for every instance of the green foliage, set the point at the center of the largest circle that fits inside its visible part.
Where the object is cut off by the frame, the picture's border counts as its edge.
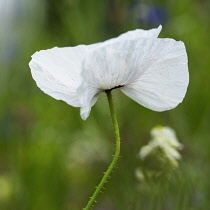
(37, 132)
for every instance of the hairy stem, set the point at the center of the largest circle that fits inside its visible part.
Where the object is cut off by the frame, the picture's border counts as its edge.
(116, 155)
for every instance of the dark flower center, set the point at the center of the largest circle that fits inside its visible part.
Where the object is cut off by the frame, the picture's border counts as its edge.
(118, 86)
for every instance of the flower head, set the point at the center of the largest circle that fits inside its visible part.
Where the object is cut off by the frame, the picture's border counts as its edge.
(167, 135)
(151, 71)
(161, 155)
(165, 138)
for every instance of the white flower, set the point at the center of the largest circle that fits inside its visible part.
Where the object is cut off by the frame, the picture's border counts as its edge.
(163, 137)
(166, 134)
(169, 152)
(150, 70)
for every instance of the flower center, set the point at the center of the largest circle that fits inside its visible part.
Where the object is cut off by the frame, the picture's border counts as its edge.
(118, 86)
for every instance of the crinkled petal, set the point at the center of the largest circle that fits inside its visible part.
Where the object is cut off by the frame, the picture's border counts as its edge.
(163, 75)
(139, 33)
(132, 35)
(107, 68)
(88, 98)
(104, 69)
(57, 72)
(152, 72)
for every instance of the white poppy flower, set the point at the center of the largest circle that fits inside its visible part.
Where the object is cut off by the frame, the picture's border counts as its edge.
(151, 71)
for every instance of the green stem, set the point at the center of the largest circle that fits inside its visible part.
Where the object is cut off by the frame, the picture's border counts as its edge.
(116, 155)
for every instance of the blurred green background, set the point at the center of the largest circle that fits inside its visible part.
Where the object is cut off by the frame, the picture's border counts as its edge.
(49, 158)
